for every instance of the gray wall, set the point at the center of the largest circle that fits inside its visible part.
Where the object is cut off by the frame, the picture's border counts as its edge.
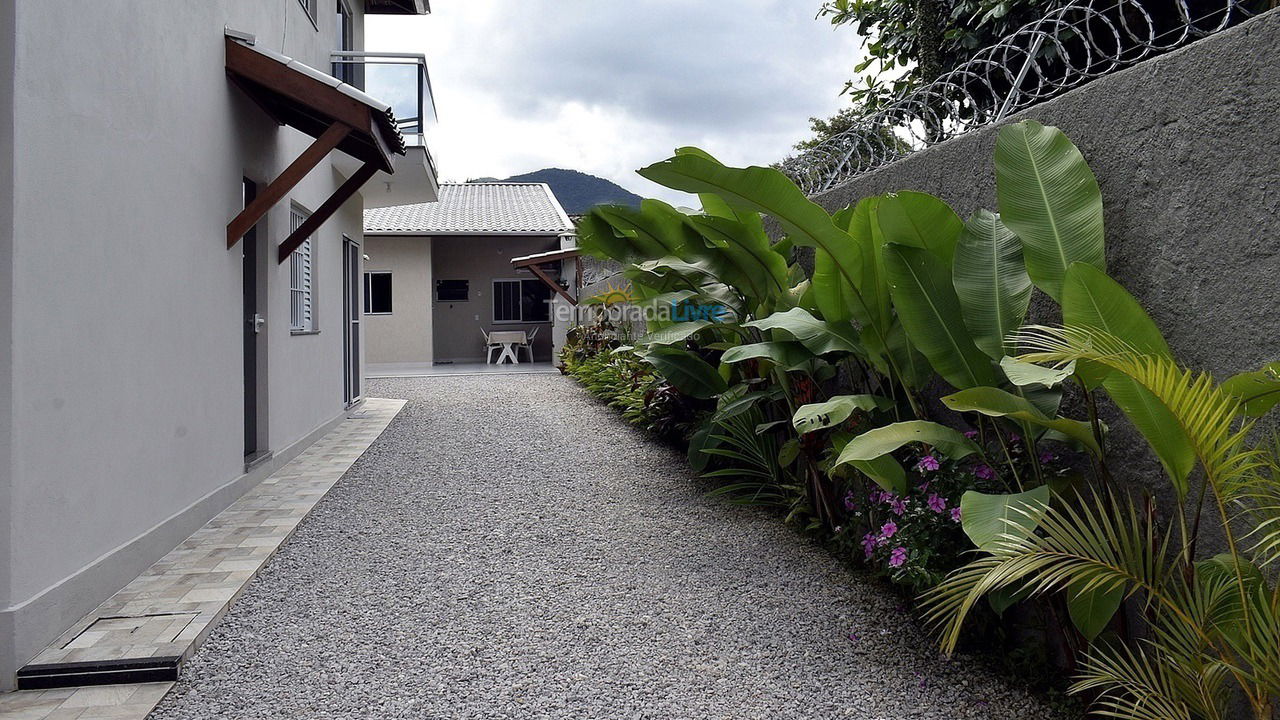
(404, 336)
(8, 30)
(1185, 149)
(481, 260)
(123, 361)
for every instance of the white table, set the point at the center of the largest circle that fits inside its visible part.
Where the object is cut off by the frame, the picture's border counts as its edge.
(509, 340)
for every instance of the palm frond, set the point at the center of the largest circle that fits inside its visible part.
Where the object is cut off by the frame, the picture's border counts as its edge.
(1096, 544)
(1132, 684)
(1204, 412)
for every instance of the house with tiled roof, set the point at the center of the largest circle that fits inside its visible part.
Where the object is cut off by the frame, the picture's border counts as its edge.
(439, 276)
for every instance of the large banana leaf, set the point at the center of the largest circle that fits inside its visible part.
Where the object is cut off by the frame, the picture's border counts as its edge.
(817, 335)
(1258, 390)
(1092, 299)
(919, 220)
(747, 249)
(818, 416)
(987, 519)
(991, 282)
(881, 441)
(652, 226)
(831, 291)
(998, 403)
(920, 284)
(788, 355)
(768, 191)
(1091, 608)
(597, 237)
(872, 306)
(1049, 197)
(687, 372)
(1025, 374)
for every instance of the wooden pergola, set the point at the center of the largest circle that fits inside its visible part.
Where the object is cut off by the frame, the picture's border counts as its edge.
(339, 117)
(534, 263)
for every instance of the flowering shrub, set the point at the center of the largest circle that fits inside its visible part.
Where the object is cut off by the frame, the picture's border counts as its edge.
(913, 538)
(916, 538)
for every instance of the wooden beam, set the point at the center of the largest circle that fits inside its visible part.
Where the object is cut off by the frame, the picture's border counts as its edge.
(542, 275)
(281, 186)
(545, 257)
(326, 210)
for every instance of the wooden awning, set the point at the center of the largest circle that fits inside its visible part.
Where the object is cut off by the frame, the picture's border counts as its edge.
(339, 116)
(533, 263)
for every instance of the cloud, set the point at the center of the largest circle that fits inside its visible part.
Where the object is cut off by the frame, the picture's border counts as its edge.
(607, 86)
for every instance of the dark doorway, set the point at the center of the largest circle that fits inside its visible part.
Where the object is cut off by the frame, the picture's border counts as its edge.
(253, 322)
(351, 320)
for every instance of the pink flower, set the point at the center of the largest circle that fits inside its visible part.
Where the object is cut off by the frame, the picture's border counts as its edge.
(849, 502)
(971, 434)
(1047, 457)
(955, 514)
(936, 504)
(923, 487)
(927, 463)
(888, 497)
(869, 544)
(898, 507)
(888, 529)
(898, 557)
(1015, 438)
(983, 472)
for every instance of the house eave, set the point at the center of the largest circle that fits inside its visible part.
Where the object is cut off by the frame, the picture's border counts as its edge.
(466, 233)
(397, 7)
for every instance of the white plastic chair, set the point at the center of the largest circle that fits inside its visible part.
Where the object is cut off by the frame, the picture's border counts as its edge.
(528, 346)
(489, 347)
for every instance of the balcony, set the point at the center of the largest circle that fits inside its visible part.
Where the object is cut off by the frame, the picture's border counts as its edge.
(401, 80)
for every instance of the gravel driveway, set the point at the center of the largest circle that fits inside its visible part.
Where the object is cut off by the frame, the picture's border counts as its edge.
(509, 548)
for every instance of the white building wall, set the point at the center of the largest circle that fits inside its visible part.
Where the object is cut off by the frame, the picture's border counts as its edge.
(129, 145)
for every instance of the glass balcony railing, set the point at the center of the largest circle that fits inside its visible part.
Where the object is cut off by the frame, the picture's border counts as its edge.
(400, 79)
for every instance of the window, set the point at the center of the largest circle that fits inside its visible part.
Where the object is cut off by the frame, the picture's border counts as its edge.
(301, 268)
(526, 301)
(377, 293)
(312, 8)
(346, 41)
(451, 291)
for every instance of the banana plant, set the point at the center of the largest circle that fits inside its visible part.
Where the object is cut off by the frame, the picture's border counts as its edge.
(1214, 625)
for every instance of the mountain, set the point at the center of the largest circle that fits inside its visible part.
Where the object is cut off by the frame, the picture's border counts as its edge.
(577, 191)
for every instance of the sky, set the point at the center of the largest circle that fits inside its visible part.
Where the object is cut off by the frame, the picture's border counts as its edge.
(609, 86)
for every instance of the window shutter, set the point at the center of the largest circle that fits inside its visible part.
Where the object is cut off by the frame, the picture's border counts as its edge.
(301, 313)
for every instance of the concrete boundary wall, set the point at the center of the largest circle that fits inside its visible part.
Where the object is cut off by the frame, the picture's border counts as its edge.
(1185, 149)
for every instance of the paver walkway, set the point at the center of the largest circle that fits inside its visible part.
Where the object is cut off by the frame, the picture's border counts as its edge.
(508, 548)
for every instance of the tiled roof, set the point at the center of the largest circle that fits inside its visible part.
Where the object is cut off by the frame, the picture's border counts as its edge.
(476, 209)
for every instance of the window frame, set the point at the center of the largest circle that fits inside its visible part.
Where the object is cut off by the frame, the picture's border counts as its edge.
(522, 321)
(303, 318)
(368, 292)
(450, 302)
(345, 39)
(311, 8)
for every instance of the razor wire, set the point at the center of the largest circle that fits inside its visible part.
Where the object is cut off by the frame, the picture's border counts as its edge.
(1071, 45)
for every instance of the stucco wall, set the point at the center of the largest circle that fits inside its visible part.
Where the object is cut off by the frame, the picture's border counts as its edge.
(481, 260)
(1184, 147)
(404, 336)
(126, 334)
(8, 30)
